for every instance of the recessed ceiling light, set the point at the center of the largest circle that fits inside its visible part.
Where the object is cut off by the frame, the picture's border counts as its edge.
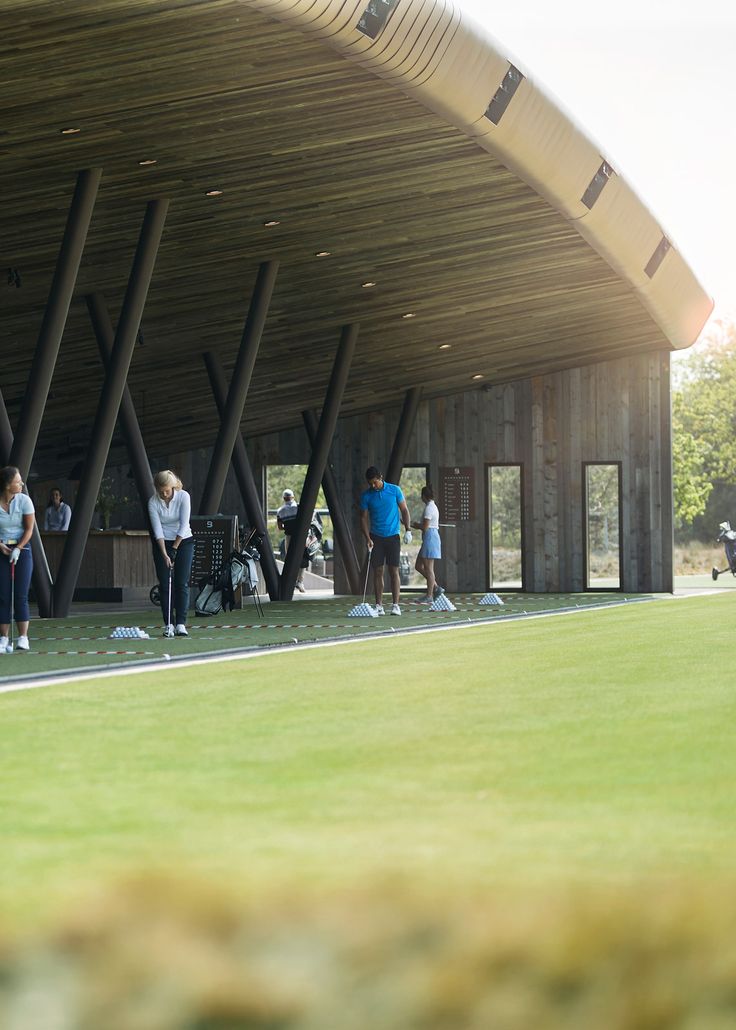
(444, 346)
(70, 131)
(213, 193)
(147, 162)
(478, 375)
(270, 225)
(409, 314)
(323, 253)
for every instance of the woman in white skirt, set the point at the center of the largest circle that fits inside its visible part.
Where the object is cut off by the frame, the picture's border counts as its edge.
(431, 548)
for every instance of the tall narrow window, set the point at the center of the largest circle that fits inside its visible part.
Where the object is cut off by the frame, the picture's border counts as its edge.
(505, 553)
(602, 491)
(281, 480)
(413, 478)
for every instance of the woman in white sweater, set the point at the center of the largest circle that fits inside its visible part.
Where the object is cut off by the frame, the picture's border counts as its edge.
(169, 508)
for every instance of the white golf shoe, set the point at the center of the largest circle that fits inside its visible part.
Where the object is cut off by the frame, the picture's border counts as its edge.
(22, 644)
(181, 630)
(395, 609)
(378, 609)
(169, 630)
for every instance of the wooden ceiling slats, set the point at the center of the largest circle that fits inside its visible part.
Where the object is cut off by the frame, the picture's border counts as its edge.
(224, 98)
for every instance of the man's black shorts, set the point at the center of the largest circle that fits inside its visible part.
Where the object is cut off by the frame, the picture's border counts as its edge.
(385, 549)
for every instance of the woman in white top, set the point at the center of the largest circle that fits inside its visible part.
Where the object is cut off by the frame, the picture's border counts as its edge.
(17, 519)
(431, 548)
(169, 508)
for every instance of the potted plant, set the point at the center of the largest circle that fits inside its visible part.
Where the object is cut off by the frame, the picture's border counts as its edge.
(107, 500)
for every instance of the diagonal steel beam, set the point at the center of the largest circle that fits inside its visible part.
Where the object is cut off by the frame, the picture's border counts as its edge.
(109, 404)
(245, 478)
(230, 422)
(321, 449)
(337, 512)
(54, 319)
(100, 318)
(42, 579)
(403, 434)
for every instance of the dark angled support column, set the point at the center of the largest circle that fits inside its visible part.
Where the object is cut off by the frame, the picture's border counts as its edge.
(42, 581)
(109, 404)
(337, 513)
(403, 433)
(100, 318)
(320, 451)
(47, 350)
(246, 482)
(230, 422)
(6, 434)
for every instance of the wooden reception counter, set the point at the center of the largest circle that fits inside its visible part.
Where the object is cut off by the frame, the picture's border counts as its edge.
(117, 564)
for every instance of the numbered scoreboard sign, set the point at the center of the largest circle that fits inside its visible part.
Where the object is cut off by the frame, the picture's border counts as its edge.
(457, 494)
(215, 536)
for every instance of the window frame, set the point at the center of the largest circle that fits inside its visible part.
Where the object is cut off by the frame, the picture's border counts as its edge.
(618, 465)
(489, 466)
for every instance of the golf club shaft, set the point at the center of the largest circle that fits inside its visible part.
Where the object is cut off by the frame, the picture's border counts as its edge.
(171, 576)
(367, 570)
(12, 601)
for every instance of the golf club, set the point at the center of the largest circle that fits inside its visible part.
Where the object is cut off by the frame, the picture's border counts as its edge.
(367, 570)
(9, 648)
(364, 609)
(169, 632)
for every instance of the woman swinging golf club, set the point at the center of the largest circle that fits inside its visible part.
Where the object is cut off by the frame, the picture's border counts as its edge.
(169, 508)
(17, 519)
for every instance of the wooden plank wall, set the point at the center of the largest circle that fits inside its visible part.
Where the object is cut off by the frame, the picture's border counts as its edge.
(617, 411)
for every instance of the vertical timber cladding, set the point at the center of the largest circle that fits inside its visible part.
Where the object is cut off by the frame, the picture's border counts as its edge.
(613, 411)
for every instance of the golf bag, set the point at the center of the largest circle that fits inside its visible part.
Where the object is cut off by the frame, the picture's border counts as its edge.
(314, 537)
(727, 536)
(313, 546)
(217, 593)
(244, 569)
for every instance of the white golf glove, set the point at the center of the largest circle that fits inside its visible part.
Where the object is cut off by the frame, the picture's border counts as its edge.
(407, 537)
(14, 555)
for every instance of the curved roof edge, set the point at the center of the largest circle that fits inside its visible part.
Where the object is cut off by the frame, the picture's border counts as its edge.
(436, 53)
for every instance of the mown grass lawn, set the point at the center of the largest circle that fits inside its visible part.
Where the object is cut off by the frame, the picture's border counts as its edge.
(592, 747)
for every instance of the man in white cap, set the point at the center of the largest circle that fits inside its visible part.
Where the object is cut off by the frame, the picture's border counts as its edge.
(285, 517)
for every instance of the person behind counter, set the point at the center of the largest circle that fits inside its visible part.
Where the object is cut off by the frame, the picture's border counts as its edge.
(17, 519)
(58, 513)
(169, 508)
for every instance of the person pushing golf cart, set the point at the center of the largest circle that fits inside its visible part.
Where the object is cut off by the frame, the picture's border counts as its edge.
(17, 519)
(169, 508)
(382, 511)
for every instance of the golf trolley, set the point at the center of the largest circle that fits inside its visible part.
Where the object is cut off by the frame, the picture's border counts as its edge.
(728, 536)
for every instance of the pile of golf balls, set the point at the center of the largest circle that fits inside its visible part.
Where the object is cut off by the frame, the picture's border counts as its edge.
(128, 631)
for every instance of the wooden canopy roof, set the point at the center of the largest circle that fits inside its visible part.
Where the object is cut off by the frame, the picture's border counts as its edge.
(186, 98)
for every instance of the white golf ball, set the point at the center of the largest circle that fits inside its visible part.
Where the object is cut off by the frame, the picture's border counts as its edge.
(167, 657)
(9, 649)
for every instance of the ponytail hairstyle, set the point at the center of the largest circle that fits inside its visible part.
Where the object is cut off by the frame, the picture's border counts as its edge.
(166, 478)
(427, 493)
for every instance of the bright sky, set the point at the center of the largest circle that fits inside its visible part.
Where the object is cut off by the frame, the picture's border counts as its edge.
(654, 82)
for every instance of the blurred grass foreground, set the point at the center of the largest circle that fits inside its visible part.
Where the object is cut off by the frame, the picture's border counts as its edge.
(525, 825)
(158, 954)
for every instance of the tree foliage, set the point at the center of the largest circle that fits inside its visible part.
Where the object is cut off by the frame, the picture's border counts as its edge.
(704, 423)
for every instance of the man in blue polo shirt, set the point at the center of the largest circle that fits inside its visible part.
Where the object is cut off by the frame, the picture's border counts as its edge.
(382, 510)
